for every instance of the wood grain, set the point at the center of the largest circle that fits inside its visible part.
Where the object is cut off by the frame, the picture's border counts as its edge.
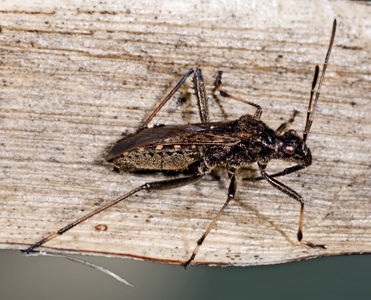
(75, 76)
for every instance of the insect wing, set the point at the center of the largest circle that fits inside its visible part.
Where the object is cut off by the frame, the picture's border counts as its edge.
(183, 135)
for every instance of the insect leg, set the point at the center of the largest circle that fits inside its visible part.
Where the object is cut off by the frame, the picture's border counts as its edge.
(282, 173)
(155, 185)
(231, 193)
(218, 91)
(166, 99)
(284, 126)
(202, 100)
(294, 195)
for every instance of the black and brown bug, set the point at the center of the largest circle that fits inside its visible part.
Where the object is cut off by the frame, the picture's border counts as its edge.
(203, 146)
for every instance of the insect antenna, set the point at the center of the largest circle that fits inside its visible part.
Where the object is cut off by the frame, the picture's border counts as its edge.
(309, 111)
(312, 108)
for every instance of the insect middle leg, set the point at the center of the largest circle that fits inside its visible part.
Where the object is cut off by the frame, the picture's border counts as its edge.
(294, 195)
(218, 91)
(231, 193)
(284, 126)
(155, 185)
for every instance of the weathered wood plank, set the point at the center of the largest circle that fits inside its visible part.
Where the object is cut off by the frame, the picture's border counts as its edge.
(74, 77)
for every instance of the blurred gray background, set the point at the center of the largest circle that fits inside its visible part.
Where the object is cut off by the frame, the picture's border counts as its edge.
(340, 277)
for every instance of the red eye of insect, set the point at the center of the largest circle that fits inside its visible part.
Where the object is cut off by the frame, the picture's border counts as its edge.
(289, 149)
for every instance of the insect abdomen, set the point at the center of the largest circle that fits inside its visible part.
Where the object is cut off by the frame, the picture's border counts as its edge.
(157, 159)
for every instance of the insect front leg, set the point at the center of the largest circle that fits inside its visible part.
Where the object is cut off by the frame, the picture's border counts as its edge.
(231, 193)
(155, 185)
(282, 173)
(294, 195)
(218, 91)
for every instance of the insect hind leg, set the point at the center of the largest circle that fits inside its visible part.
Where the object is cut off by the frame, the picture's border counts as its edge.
(203, 106)
(167, 98)
(200, 93)
(155, 185)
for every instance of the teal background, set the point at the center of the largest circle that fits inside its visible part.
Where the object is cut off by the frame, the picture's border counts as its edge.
(339, 277)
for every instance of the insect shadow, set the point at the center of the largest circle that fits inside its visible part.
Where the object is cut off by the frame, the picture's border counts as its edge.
(202, 147)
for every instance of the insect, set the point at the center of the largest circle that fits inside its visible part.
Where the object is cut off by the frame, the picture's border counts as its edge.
(204, 146)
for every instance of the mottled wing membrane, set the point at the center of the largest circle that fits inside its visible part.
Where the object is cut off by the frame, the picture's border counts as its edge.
(183, 135)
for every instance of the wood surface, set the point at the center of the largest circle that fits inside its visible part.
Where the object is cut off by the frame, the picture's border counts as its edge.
(75, 75)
